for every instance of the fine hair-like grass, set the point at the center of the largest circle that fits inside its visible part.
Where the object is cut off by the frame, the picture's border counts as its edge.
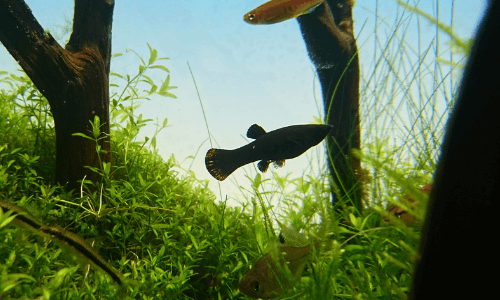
(162, 228)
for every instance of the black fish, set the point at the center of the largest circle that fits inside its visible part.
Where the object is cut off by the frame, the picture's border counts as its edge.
(275, 146)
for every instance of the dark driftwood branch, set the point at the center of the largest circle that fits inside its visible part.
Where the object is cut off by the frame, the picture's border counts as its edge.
(458, 249)
(92, 24)
(328, 33)
(74, 81)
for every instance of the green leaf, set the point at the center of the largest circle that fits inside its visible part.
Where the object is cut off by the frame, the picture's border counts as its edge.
(106, 168)
(160, 226)
(6, 218)
(355, 221)
(147, 79)
(152, 55)
(46, 293)
(165, 84)
(59, 277)
(257, 181)
(82, 135)
(160, 67)
(96, 126)
(162, 251)
(141, 180)
(167, 94)
(153, 89)
(165, 87)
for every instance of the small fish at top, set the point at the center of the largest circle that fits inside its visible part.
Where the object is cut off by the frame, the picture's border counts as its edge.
(276, 11)
(274, 146)
(266, 279)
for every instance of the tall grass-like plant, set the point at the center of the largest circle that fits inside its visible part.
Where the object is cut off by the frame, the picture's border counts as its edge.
(163, 231)
(407, 94)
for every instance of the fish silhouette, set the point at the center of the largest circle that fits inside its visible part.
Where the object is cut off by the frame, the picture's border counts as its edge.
(268, 279)
(276, 11)
(274, 146)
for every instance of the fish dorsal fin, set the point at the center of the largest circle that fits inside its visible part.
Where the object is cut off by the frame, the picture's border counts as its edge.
(289, 236)
(255, 131)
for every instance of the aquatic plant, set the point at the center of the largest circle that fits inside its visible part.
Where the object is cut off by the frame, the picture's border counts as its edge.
(161, 227)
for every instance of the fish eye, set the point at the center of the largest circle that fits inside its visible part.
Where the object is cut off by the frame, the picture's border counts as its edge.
(256, 286)
(251, 17)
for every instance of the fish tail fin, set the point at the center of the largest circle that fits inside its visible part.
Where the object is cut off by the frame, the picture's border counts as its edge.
(220, 163)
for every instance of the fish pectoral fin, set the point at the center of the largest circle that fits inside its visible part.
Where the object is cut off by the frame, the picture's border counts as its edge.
(263, 165)
(255, 131)
(279, 163)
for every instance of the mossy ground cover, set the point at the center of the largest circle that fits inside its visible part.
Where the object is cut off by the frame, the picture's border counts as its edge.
(167, 234)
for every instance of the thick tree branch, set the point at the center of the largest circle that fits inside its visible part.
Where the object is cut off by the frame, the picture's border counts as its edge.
(92, 25)
(74, 81)
(328, 34)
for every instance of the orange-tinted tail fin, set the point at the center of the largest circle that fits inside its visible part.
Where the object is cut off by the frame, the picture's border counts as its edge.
(220, 163)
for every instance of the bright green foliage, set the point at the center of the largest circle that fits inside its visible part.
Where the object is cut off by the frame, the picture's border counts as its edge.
(26, 129)
(163, 232)
(159, 228)
(362, 258)
(162, 229)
